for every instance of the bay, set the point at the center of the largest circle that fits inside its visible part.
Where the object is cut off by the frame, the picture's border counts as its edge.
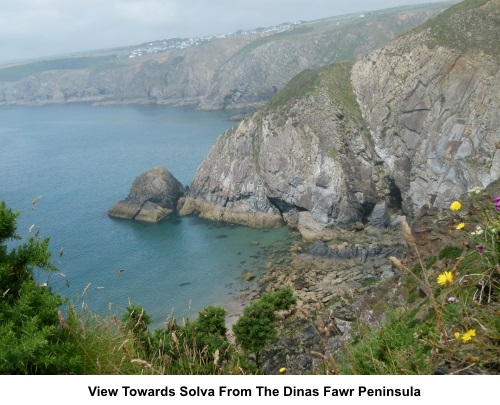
(81, 159)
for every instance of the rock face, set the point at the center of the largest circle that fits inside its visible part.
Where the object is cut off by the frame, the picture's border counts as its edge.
(415, 123)
(153, 196)
(308, 159)
(433, 107)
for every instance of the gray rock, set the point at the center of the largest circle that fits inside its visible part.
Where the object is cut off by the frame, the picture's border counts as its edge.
(380, 215)
(152, 197)
(151, 212)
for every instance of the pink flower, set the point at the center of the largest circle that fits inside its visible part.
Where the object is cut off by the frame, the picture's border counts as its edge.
(496, 200)
(480, 249)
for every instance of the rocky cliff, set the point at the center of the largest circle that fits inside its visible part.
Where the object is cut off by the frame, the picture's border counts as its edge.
(235, 71)
(307, 160)
(414, 123)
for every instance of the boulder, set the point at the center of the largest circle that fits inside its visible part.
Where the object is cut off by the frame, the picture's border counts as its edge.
(153, 196)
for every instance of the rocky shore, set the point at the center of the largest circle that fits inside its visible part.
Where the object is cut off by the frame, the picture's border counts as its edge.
(330, 281)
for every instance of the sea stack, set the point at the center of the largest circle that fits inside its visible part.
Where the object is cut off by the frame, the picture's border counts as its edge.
(153, 196)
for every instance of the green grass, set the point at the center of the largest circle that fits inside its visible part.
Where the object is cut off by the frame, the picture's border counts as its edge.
(19, 72)
(244, 51)
(302, 84)
(466, 26)
(450, 252)
(335, 79)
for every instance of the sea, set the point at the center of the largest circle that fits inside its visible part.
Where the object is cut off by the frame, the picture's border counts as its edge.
(75, 161)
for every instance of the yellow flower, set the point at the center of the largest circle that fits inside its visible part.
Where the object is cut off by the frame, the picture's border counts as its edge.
(282, 370)
(468, 335)
(455, 205)
(457, 335)
(445, 278)
(461, 225)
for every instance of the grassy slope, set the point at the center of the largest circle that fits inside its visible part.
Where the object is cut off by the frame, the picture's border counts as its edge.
(469, 25)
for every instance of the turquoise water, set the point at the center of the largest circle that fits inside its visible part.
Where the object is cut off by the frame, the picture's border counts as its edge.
(80, 160)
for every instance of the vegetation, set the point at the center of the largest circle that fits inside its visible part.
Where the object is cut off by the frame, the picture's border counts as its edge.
(31, 338)
(390, 349)
(21, 71)
(454, 327)
(302, 84)
(450, 324)
(480, 17)
(256, 327)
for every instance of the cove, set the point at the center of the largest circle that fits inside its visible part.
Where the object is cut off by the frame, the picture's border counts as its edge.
(81, 159)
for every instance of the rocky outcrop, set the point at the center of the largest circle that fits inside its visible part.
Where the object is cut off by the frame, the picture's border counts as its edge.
(153, 196)
(433, 108)
(306, 154)
(307, 161)
(412, 124)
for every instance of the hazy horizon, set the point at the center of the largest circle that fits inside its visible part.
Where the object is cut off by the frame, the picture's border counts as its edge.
(32, 29)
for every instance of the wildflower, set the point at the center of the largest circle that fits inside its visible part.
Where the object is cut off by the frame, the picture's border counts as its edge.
(455, 205)
(457, 335)
(452, 299)
(467, 336)
(496, 200)
(478, 231)
(445, 278)
(475, 190)
(480, 249)
(282, 370)
(461, 225)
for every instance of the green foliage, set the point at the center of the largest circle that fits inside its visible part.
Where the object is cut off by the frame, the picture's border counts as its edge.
(32, 339)
(390, 349)
(209, 330)
(281, 300)
(198, 347)
(136, 319)
(256, 327)
(450, 252)
(431, 261)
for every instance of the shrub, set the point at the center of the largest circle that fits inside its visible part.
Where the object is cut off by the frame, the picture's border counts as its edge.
(256, 327)
(33, 338)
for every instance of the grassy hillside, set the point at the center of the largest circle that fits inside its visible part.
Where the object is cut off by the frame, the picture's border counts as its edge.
(469, 25)
(18, 72)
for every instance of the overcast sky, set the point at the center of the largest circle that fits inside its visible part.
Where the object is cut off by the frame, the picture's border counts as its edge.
(35, 28)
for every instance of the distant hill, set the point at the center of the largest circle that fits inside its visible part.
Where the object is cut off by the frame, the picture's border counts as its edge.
(239, 70)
